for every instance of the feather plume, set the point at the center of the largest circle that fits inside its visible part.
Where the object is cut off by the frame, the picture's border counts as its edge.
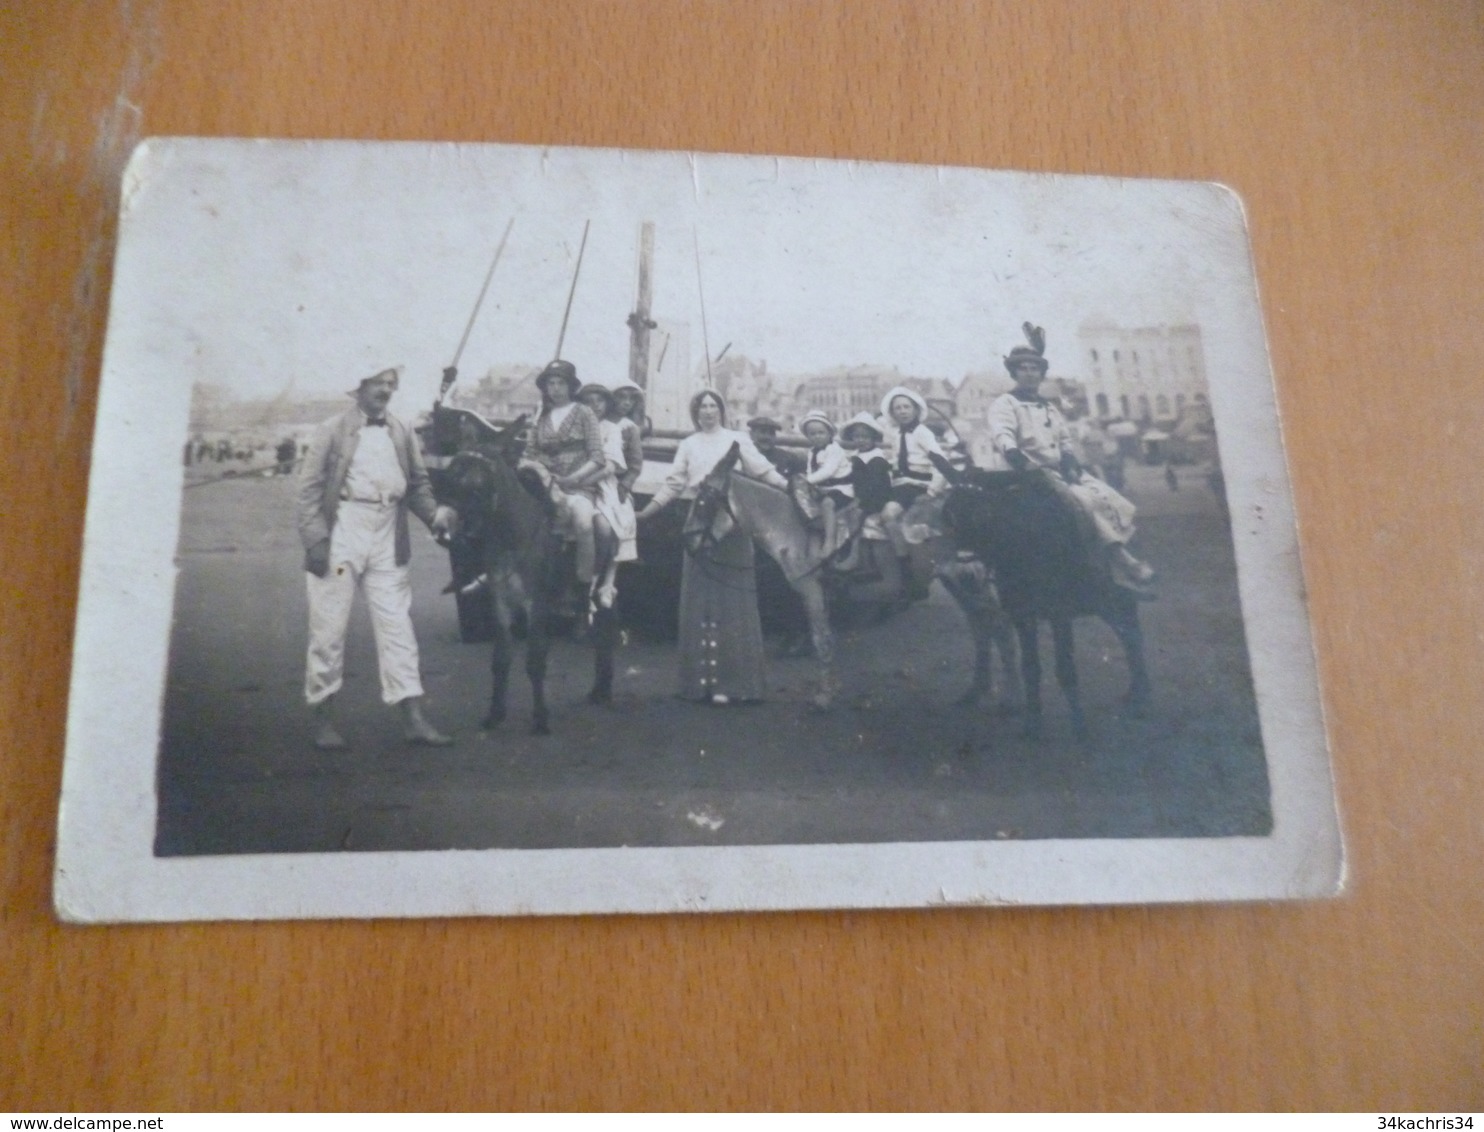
(1035, 336)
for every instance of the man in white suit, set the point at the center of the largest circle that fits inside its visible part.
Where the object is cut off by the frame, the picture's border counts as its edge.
(362, 475)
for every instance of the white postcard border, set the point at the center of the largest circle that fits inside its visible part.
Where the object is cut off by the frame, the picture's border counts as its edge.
(106, 870)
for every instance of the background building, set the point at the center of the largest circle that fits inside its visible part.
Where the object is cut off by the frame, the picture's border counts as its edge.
(502, 394)
(1149, 374)
(843, 391)
(749, 389)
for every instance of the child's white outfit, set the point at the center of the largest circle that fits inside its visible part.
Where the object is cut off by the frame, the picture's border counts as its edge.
(829, 470)
(619, 512)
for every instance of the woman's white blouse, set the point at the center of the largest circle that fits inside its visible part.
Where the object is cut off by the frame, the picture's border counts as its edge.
(699, 453)
(1037, 428)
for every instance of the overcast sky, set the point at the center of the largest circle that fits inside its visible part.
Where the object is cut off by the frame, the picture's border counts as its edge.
(260, 265)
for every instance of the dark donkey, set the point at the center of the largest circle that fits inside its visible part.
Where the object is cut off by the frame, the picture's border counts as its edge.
(524, 568)
(1019, 525)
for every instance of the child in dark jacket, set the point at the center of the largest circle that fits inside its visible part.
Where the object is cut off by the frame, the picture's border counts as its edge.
(870, 470)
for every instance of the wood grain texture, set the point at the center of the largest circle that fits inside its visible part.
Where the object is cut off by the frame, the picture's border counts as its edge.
(1352, 131)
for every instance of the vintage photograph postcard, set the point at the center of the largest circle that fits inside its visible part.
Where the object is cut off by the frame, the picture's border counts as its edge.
(491, 530)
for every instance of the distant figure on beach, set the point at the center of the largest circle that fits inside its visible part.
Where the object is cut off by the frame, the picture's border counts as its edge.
(286, 452)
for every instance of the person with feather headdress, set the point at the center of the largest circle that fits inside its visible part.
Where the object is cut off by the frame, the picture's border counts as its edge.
(1029, 431)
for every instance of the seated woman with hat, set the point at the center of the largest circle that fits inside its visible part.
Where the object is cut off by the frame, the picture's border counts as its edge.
(566, 444)
(1029, 431)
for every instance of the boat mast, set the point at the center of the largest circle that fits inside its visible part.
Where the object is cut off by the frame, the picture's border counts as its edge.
(701, 293)
(640, 322)
(576, 271)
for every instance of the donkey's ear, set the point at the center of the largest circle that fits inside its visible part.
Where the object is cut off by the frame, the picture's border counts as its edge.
(734, 453)
(945, 469)
(508, 441)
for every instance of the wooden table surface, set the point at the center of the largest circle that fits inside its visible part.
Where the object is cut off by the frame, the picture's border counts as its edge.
(1354, 132)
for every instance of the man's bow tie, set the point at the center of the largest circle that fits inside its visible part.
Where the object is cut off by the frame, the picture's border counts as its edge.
(376, 422)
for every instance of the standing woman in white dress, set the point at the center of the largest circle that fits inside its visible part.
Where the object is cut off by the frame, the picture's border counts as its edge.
(721, 637)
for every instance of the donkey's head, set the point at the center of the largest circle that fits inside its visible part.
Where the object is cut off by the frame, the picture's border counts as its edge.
(711, 517)
(476, 485)
(510, 442)
(1008, 513)
(970, 509)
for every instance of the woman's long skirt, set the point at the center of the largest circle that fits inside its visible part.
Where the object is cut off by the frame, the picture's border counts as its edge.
(1112, 515)
(721, 638)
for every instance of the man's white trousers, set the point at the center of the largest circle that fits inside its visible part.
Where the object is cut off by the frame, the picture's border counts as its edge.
(362, 556)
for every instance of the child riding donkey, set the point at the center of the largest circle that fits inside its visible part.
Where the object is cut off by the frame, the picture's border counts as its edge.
(910, 447)
(828, 472)
(849, 482)
(623, 458)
